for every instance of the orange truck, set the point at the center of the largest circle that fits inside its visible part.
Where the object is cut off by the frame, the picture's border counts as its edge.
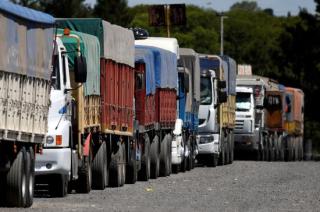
(269, 119)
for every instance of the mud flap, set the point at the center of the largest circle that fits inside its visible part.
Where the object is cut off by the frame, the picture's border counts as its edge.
(86, 147)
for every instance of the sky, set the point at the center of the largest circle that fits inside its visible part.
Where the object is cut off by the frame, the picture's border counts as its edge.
(280, 7)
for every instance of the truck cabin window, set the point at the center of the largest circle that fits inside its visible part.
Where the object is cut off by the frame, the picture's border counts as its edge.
(139, 81)
(206, 91)
(243, 101)
(55, 79)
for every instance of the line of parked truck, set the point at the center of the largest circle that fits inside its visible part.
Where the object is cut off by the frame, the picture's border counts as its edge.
(88, 104)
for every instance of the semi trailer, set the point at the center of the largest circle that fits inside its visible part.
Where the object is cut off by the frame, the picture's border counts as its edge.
(25, 73)
(184, 145)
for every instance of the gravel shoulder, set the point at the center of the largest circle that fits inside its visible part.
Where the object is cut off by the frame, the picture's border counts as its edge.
(241, 186)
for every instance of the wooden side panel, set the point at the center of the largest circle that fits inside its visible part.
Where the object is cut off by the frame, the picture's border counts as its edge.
(24, 105)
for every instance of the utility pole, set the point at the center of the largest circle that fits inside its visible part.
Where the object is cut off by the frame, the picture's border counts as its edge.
(221, 32)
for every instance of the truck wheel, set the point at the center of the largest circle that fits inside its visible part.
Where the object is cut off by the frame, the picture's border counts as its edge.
(300, 149)
(164, 169)
(226, 153)
(115, 171)
(30, 179)
(271, 149)
(169, 148)
(154, 158)
(189, 158)
(123, 164)
(230, 149)
(281, 151)
(175, 168)
(84, 181)
(99, 168)
(131, 167)
(212, 160)
(183, 165)
(221, 155)
(144, 173)
(58, 186)
(17, 181)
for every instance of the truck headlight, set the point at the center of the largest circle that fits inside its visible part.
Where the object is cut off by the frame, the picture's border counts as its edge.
(50, 139)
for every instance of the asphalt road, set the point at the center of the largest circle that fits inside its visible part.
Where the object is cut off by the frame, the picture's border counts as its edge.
(241, 186)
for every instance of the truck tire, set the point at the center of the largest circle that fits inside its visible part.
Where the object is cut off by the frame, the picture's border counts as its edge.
(281, 151)
(300, 149)
(2, 189)
(144, 173)
(175, 168)
(16, 189)
(221, 155)
(164, 166)
(212, 160)
(30, 179)
(183, 165)
(289, 152)
(123, 164)
(271, 149)
(84, 182)
(100, 168)
(169, 148)
(131, 167)
(154, 158)
(231, 156)
(58, 186)
(189, 158)
(226, 153)
(115, 170)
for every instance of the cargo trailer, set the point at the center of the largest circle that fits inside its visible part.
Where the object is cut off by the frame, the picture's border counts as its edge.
(25, 74)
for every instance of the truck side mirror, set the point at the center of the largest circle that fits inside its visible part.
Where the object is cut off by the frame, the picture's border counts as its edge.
(186, 82)
(222, 95)
(80, 69)
(222, 84)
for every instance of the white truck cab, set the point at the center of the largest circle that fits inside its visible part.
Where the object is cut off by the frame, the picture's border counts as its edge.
(245, 132)
(58, 164)
(209, 129)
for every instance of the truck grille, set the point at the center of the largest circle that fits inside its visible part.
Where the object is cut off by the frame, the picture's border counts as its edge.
(239, 125)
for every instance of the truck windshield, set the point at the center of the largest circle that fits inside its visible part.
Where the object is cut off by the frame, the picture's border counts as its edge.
(55, 78)
(206, 91)
(243, 102)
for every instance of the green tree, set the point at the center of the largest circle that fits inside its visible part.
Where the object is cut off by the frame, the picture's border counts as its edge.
(114, 11)
(59, 8)
(245, 5)
(66, 8)
(28, 3)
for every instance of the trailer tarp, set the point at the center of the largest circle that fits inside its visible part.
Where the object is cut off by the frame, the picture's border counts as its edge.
(116, 42)
(26, 41)
(90, 48)
(190, 59)
(165, 63)
(232, 74)
(145, 56)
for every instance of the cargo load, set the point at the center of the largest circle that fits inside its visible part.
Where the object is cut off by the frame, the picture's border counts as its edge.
(25, 79)
(189, 59)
